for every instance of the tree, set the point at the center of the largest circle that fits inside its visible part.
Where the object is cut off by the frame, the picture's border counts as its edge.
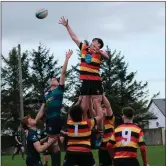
(10, 88)
(123, 90)
(43, 67)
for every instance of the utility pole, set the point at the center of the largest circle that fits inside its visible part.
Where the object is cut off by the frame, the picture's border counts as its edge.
(21, 90)
(20, 83)
(109, 68)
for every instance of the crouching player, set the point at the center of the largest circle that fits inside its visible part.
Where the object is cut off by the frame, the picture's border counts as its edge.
(34, 146)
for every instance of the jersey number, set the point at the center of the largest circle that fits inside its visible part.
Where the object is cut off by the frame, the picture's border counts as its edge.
(76, 129)
(126, 136)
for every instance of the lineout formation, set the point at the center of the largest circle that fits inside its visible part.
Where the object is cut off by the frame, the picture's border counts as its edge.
(90, 122)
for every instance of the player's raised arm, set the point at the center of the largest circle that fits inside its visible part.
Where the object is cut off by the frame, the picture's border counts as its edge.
(40, 113)
(99, 114)
(65, 23)
(107, 106)
(64, 68)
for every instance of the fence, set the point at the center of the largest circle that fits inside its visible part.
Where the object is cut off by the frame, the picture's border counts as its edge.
(155, 136)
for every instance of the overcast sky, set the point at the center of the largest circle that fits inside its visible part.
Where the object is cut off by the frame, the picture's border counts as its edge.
(137, 29)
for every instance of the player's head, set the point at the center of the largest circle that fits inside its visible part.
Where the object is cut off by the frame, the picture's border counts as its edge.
(76, 113)
(27, 122)
(97, 42)
(127, 113)
(54, 81)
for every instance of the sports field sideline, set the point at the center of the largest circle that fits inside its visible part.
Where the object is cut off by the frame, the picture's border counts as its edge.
(156, 157)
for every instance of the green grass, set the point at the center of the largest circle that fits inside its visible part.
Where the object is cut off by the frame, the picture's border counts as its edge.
(156, 157)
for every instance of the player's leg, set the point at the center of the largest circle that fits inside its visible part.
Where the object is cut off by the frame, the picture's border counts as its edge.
(85, 91)
(65, 160)
(45, 157)
(85, 105)
(53, 128)
(22, 152)
(96, 93)
(15, 151)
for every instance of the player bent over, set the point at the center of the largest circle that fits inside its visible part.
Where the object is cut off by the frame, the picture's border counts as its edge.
(34, 146)
(125, 141)
(52, 109)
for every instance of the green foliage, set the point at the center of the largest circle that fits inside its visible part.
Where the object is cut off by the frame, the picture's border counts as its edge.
(10, 98)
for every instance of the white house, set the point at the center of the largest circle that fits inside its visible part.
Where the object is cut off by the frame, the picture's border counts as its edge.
(157, 106)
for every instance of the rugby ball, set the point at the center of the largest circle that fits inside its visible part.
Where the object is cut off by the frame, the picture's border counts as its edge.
(42, 13)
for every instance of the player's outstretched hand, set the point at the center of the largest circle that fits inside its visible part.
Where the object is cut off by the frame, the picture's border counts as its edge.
(63, 21)
(69, 53)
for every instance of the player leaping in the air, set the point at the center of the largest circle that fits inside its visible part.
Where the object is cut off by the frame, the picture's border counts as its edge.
(91, 57)
(51, 107)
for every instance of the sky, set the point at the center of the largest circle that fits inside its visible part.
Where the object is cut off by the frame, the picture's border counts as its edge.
(137, 29)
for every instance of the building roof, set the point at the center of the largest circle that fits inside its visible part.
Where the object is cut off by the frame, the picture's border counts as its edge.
(160, 103)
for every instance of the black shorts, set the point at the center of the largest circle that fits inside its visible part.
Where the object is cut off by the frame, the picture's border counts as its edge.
(126, 162)
(81, 159)
(54, 125)
(91, 87)
(104, 158)
(46, 152)
(32, 162)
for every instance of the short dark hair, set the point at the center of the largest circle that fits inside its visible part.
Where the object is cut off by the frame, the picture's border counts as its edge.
(100, 41)
(57, 78)
(24, 122)
(76, 112)
(128, 112)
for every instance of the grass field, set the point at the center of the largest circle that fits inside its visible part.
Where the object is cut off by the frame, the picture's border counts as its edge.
(156, 157)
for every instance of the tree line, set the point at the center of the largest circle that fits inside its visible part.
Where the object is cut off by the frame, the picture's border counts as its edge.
(38, 66)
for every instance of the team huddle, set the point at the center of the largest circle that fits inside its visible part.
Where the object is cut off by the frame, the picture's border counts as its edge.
(90, 122)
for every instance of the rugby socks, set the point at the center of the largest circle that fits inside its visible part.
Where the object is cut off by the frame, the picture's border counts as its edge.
(22, 153)
(56, 158)
(13, 156)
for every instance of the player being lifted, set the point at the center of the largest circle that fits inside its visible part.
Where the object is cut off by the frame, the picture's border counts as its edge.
(91, 57)
(52, 108)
